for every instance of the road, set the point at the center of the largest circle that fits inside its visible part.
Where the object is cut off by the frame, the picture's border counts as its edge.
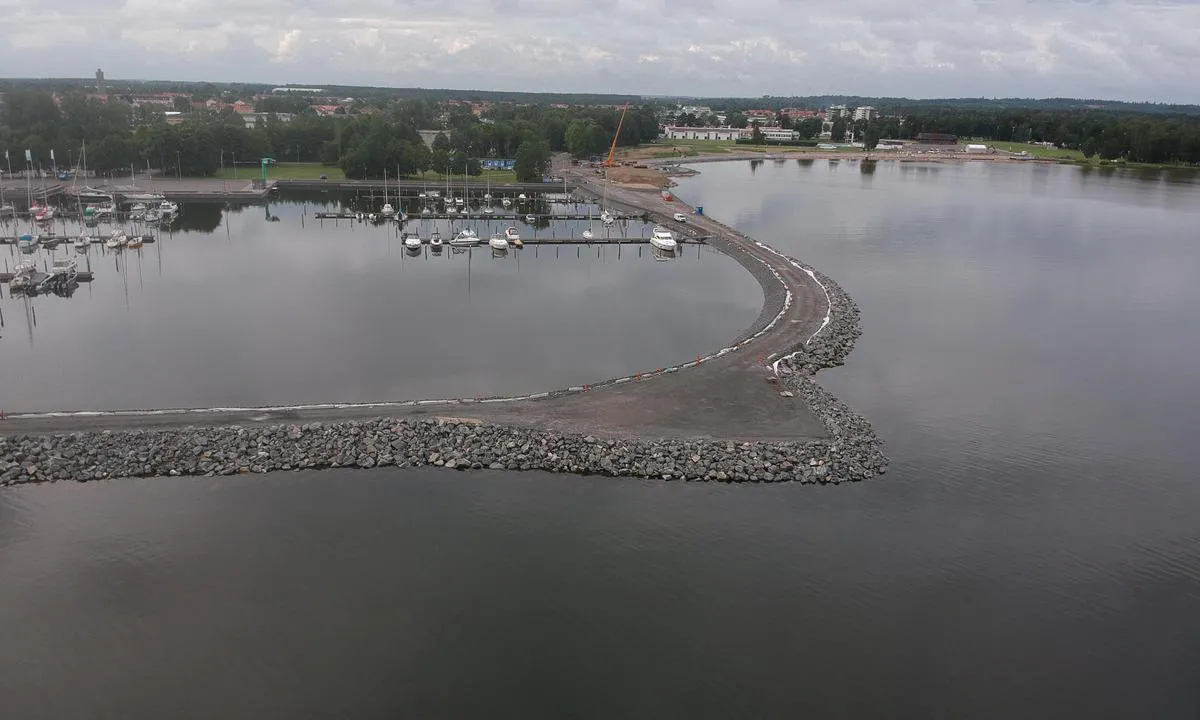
(730, 396)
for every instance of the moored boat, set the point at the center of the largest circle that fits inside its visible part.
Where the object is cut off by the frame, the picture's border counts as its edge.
(663, 239)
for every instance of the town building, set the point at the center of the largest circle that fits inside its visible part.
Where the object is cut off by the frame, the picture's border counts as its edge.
(837, 111)
(672, 132)
(696, 110)
(865, 112)
(100, 81)
(933, 138)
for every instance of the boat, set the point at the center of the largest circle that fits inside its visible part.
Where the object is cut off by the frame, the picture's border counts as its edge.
(663, 239)
(425, 212)
(28, 240)
(138, 211)
(521, 196)
(451, 210)
(512, 236)
(116, 240)
(6, 210)
(49, 239)
(412, 241)
(89, 194)
(387, 210)
(435, 242)
(459, 201)
(22, 276)
(607, 218)
(465, 238)
(506, 202)
(137, 197)
(498, 244)
(531, 219)
(153, 215)
(82, 242)
(64, 270)
(43, 213)
(166, 207)
(134, 241)
(587, 234)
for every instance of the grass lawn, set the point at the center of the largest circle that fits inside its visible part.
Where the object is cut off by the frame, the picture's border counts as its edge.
(282, 171)
(1037, 151)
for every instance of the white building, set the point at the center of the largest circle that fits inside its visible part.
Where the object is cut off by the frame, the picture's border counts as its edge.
(836, 111)
(865, 112)
(672, 132)
(778, 134)
(695, 110)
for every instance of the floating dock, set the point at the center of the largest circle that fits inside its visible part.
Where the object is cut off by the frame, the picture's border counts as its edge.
(509, 217)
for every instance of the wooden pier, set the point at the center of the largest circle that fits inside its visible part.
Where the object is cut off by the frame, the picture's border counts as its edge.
(81, 276)
(508, 217)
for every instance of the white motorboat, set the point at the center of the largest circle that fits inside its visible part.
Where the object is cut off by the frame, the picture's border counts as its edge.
(506, 202)
(153, 215)
(531, 219)
(512, 236)
(412, 241)
(82, 242)
(22, 275)
(498, 243)
(607, 218)
(435, 242)
(426, 212)
(421, 195)
(587, 234)
(489, 210)
(134, 241)
(44, 213)
(387, 210)
(521, 196)
(459, 201)
(166, 207)
(451, 210)
(465, 238)
(27, 241)
(116, 240)
(663, 239)
(6, 210)
(64, 268)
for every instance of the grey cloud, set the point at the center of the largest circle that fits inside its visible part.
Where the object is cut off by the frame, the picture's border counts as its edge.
(920, 48)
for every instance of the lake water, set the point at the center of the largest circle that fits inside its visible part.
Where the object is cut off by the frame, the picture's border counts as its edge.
(268, 306)
(1029, 356)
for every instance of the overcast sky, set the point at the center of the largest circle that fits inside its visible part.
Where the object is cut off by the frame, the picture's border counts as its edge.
(1146, 50)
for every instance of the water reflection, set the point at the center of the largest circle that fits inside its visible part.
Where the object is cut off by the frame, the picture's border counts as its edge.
(266, 304)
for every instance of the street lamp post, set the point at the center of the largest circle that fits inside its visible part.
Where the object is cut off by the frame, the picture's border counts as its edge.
(178, 167)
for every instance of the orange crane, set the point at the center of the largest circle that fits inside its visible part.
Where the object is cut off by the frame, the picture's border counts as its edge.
(613, 150)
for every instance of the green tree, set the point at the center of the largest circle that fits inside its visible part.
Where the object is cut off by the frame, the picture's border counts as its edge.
(757, 137)
(838, 133)
(441, 142)
(871, 136)
(584, 137)
(532, 161)
(736, 120)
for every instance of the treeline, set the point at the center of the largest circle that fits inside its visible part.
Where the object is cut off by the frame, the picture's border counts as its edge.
(896, 104)
(1108, 136)
(118, 137)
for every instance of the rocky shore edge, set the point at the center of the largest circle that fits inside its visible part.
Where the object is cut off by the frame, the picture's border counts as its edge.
(851, 451)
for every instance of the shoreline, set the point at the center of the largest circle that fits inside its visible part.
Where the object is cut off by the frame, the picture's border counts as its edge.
(723, 417)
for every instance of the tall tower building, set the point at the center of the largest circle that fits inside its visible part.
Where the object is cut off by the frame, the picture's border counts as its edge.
(99, 81)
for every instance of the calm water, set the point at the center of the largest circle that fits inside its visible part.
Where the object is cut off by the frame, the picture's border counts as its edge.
(236, 309)
(1030, 357)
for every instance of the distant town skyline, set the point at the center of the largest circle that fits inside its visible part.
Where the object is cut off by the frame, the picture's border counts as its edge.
(1134, 51)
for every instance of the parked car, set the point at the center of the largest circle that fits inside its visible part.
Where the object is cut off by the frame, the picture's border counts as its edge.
(680, 217)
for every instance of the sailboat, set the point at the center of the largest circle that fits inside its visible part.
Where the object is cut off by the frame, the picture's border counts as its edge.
(605, 216)
(387, 210)
(587, 232)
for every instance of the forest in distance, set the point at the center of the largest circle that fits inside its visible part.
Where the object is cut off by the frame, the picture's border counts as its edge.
(379, 133)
